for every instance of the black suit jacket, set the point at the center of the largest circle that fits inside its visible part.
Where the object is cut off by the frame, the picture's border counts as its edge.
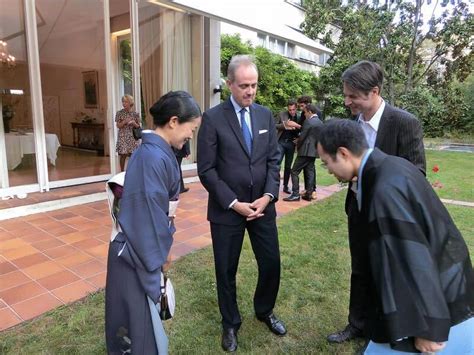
(309, 137)
(227, 170)
(399, 134)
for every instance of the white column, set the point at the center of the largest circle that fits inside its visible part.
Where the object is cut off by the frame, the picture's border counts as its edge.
(4, 183)
(36, 94)
(110, 81)
(214, 61)
(134, 26)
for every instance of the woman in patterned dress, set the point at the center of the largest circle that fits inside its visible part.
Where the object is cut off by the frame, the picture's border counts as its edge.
(126, 120)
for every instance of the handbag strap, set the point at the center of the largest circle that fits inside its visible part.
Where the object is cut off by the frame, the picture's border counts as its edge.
(163, 282)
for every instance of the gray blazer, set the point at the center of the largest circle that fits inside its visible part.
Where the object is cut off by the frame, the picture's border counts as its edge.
(281, 119)
(309, 137)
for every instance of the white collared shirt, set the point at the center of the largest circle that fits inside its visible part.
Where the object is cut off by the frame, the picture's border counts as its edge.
(371, 127)
(237, 109)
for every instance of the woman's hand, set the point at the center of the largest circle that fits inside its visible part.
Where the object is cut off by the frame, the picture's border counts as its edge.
(428, 346)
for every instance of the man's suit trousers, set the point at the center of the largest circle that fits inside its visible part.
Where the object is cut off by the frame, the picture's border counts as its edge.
(307, 165)
(227, 244)
(360, 279)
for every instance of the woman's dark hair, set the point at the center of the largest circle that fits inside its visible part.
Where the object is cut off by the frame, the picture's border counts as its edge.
(346, 133)
(175, 103)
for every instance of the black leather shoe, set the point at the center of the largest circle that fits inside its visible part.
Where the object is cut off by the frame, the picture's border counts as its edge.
(286, 190)
(185, 189)
(350, 332)
(229, 340)
(307, 197)
(275, 325)
(292, 197)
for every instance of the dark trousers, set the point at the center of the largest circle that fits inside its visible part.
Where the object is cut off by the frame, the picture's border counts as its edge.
(227, 245)
(310, 179)
(287, 151)
(180, 159)
(360, 276)
(307, 165)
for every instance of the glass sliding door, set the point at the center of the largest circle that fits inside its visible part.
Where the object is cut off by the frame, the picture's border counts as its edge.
(73, 82)
(171, 55)
(17, 144)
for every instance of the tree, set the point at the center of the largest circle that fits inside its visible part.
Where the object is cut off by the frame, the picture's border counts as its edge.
(391, 33)
(279, 78)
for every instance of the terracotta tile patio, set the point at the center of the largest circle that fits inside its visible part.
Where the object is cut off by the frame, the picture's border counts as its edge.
(53, 258)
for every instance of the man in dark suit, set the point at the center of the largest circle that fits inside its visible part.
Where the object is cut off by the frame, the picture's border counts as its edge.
(307, 154)
(288, 130)
(304, 101)
(393, 131)
(237, 159)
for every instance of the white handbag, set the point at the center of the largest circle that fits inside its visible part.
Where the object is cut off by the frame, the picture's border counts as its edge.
(167, 301)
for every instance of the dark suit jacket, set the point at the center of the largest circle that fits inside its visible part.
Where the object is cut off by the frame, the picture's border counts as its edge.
(399, 134)
(309, 137)
(282, 118)
(226, 169)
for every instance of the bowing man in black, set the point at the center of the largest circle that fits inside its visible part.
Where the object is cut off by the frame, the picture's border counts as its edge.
(420, 277)
(237, 160)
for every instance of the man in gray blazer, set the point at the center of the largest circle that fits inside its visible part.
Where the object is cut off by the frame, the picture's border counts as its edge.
(393, 131)
(307, 154)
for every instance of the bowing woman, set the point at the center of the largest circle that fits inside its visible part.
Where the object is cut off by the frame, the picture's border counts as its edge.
(139, 251)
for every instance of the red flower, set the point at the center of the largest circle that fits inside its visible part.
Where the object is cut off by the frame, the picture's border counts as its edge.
(435, 168)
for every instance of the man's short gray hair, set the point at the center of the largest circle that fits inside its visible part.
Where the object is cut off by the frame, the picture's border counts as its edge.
(237, 61)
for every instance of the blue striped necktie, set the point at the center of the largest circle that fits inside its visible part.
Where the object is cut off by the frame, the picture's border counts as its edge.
(245, 131)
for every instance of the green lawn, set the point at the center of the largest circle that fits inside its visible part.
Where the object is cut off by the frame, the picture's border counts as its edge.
(313, 296)
(323, 178)
(456, 174)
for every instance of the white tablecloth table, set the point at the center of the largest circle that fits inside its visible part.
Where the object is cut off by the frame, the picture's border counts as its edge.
(17, 145)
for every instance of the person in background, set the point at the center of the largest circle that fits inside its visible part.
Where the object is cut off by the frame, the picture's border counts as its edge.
(420, 279)
(307, 154)
(393, 131)
(304, 101)
(141, 249)
(288, 130)
(126, 119)
(180, 154)
(237, 159)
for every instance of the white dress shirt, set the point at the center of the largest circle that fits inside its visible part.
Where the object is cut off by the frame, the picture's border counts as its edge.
(371, 126)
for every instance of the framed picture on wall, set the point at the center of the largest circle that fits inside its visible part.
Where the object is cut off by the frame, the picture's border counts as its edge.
(90, 81)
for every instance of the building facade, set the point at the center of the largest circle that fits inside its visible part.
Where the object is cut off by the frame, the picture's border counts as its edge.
(75, 59)
(289, 42)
